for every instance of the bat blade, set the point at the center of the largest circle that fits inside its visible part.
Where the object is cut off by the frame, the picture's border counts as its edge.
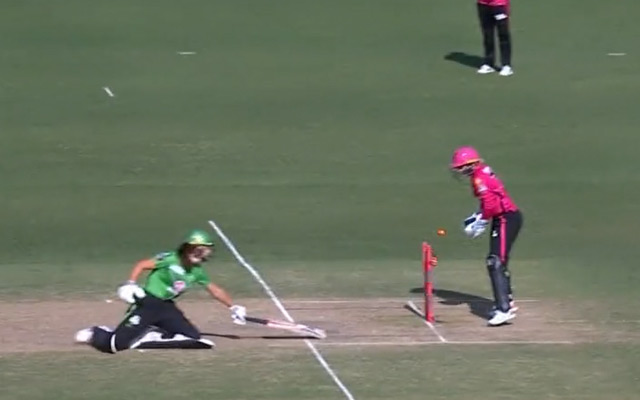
(300, 328)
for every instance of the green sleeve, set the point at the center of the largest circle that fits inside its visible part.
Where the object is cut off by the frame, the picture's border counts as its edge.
(201, 277)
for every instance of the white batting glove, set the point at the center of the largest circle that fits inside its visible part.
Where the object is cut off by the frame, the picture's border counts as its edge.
(130, 292)
(238, 314)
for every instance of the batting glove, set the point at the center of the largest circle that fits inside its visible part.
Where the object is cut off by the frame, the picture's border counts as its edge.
(238, 314)
(130, 292)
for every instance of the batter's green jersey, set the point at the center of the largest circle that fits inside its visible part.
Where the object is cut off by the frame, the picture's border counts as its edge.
(169, 279)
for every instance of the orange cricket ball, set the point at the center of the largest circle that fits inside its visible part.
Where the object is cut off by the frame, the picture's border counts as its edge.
(441, 232)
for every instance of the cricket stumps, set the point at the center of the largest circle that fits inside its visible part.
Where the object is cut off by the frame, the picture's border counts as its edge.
(429, 261)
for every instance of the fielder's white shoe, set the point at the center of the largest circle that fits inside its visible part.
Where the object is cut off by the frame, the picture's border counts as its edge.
(506, 71)
(486, 69)
(500, 318)
(84, 335)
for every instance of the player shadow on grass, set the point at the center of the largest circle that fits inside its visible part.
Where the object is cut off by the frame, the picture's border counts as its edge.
(465, 59)
(478, 305)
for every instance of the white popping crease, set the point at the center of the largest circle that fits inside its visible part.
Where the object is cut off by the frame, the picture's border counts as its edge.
(280, 307)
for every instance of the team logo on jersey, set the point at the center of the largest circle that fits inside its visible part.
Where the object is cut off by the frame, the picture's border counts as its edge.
(177, 269)
(480, 186)
(179, 286)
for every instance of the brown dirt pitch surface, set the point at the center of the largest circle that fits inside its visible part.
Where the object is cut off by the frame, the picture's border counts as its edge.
(50, 325)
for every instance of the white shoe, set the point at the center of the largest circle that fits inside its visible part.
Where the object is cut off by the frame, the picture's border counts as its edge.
(500, 318)
(506, 71)
(486, 69)
(84, 335)
(512, 307)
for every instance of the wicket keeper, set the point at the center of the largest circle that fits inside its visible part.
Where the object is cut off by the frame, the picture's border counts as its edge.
(506, 220)
(152, 311)
(494, 19)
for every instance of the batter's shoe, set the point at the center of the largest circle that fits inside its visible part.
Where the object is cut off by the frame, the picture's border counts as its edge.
(84, 335)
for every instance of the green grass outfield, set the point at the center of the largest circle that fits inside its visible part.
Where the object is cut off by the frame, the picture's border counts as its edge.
(317, 134)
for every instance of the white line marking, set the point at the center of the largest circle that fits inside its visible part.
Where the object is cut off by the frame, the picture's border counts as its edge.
(186, 53)
(429, 324)
(451, 342)
(625, 321)
(486, 342)
(283, 310)
(109, 92)
(367, 344)
(380, 300)
(571, 321)
(617, 54)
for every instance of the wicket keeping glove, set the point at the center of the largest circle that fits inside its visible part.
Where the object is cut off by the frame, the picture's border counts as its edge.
(238, 314)
(474, 226)
(130, 292)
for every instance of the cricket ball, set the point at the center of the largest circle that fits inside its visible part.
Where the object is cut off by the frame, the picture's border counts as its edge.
(441, 232)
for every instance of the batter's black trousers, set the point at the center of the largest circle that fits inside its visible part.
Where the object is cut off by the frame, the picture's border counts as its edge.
(149, 312)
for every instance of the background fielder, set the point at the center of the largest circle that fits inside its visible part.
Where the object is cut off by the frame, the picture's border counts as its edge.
(506, 221)
(494, 18)
(153, 306)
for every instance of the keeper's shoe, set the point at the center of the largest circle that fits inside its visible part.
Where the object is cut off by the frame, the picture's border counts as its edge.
(501, 317)
(486, 69)
(512, 307)
(506, 71)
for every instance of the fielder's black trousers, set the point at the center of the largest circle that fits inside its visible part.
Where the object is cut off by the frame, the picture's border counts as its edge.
(504, 232)
(495, 19)
(147, 313)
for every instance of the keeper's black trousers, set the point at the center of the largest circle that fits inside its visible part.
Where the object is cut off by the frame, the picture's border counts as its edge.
(504, 232)
(495, 20)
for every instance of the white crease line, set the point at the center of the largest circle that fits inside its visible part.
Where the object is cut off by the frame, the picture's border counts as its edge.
(451, 342)
(616, 54)
(429, 324)
(384, 300)
(108, 91)
(186, 53)
(487, 342)
(570, 321)
(283, 310)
